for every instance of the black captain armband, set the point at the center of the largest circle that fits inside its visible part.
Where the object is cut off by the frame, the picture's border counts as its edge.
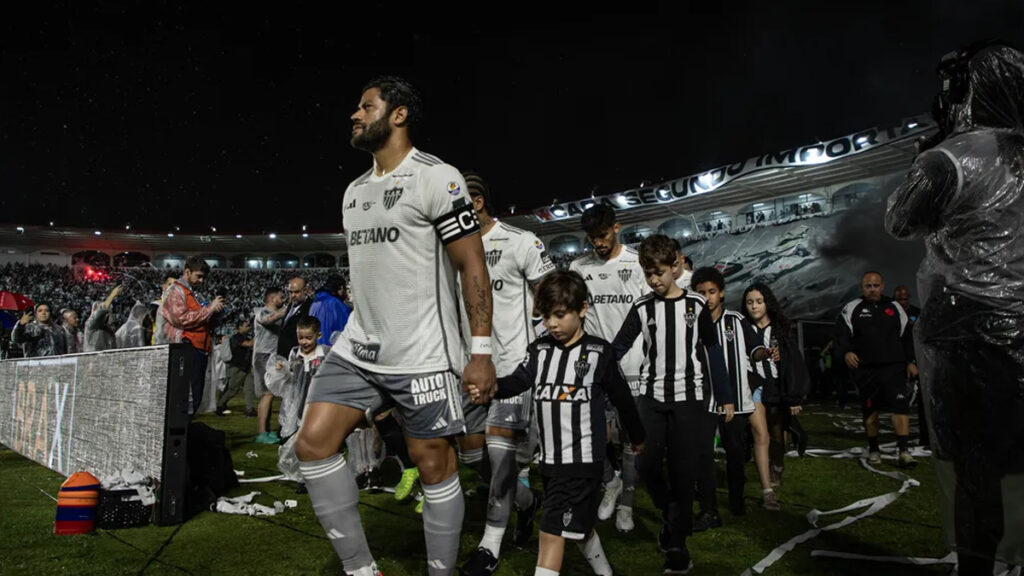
(456, 224)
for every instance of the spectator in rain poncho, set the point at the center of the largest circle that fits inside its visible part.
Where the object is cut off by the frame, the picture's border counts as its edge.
(136, 331)
(292, 377)
(40, 338)
(330, 309)
(965, 196)
(100, 334)
(159, 331)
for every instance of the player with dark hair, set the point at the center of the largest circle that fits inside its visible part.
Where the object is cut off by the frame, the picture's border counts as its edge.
(411, 232)
(516, 263)
(570, 373)
(682, 363)
(615, 280)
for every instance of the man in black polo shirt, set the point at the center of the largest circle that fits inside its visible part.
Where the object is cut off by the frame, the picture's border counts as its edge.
(874, 340)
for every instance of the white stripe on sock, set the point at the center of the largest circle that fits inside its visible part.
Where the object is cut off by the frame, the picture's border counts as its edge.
(312, 472)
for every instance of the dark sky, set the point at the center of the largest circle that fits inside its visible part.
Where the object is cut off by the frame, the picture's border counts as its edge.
(236, 116)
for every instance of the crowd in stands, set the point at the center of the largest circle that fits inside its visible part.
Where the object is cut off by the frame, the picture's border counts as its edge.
(77, 288)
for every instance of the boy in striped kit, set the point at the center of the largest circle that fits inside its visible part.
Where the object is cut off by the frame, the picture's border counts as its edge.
(738, 342)
(570, 374)
(682, 360)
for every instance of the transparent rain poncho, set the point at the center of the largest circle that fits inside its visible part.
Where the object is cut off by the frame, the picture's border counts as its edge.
(965, 197)
(132, 334)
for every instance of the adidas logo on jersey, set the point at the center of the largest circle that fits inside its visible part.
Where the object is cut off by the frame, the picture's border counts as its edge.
(351, 204)
(441, 424)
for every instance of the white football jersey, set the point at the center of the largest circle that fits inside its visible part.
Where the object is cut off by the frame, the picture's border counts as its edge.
(613, 286)
(684, 280)
(405, 318)
(515, 259)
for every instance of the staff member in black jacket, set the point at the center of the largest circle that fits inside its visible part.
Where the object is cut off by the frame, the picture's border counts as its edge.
(874, 340)
(299, 302)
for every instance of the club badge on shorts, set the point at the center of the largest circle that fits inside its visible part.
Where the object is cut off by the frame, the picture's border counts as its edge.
(567, 518)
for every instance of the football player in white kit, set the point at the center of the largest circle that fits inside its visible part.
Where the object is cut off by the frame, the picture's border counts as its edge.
(516, 263)
(614, 280)
(410, 228)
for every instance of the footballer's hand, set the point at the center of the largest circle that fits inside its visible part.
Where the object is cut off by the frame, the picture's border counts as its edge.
(479, 379)
(638, 449)
(852, 360)
(729, 411)
(794, 410)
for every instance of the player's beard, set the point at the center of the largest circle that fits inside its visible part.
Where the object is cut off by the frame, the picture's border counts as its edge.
(373, 137)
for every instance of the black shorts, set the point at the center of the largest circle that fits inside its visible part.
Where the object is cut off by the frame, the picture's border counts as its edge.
(569, 508)
(883, 387)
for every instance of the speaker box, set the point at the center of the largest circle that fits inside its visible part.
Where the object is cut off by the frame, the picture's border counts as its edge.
(174, 475)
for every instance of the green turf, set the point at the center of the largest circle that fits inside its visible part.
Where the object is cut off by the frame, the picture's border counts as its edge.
(293, 542)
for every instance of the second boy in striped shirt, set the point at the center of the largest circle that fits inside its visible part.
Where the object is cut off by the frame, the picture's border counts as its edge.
(682, 361)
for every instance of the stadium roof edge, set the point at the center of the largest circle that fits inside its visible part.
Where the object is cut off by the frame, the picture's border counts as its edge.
(863, 154)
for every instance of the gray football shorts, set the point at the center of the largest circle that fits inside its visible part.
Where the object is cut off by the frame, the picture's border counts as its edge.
(259, 374)
(429, 404)
(512, 413)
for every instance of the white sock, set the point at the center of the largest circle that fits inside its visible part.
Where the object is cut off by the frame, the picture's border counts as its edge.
(594, 553)
(538, 571)
(492, 539)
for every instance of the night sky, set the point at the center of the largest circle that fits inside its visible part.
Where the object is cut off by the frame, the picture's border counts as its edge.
(162, 115)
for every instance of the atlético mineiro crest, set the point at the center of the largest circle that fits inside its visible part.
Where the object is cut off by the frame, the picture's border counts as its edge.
(730, 334)
(582, 367)
(493, 257)
(691, 318)
(567, 518)
(624, 274)
(391, 197)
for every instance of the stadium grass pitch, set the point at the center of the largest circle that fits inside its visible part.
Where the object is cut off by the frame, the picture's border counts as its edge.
(293, 543)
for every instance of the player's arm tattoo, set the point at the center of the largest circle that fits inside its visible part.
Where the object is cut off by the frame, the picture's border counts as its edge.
(478, 306)
(468, 256)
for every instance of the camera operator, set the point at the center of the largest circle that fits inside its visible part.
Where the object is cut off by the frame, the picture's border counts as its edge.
(965, 196)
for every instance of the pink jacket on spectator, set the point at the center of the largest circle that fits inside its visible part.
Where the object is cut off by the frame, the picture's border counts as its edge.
(183, 319)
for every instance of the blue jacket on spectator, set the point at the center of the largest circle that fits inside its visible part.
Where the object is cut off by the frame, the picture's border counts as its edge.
(332, 314)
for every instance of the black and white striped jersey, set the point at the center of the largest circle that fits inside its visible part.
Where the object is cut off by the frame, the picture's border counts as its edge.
(738, 341)
(679, 346)
(766, 370)
(570, 384)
